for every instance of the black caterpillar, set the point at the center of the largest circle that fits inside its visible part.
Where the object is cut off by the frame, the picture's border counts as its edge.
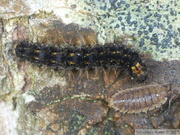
(108, 56)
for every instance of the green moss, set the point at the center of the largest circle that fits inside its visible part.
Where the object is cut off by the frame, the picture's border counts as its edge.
(75, 123)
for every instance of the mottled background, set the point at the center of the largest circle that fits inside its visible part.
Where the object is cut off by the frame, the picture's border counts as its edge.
(38, 100)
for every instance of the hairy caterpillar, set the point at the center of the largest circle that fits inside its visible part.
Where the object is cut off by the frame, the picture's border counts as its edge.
(109, 55)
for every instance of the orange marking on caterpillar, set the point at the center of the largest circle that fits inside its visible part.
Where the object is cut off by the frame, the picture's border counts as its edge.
(37, 51)
(54, 53)
(137, 69)
(36, 58)
(71, 54)
(53, 61)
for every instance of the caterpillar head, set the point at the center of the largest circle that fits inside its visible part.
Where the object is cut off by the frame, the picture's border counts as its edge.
(139, 71)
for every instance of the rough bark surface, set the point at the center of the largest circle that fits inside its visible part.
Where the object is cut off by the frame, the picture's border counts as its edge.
(39, 100)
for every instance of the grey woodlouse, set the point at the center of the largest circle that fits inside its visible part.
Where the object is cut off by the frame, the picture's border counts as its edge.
(140, 99)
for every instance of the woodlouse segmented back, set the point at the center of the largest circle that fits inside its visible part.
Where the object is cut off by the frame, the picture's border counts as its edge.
(140, 99)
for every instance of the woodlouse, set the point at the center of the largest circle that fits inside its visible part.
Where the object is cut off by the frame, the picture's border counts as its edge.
(140, 99)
